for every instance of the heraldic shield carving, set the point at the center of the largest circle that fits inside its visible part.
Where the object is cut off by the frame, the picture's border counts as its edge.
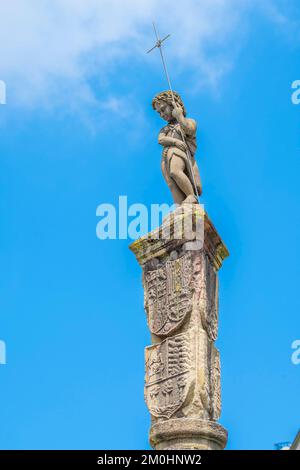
(168, 375)
(168, 295)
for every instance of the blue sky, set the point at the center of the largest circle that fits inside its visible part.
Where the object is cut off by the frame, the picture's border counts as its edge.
(77, 131)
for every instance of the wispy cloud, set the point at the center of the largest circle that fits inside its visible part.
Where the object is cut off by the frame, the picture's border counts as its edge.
(50, 50)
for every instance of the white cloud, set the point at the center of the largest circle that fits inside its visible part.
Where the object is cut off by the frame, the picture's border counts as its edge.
(51, 49)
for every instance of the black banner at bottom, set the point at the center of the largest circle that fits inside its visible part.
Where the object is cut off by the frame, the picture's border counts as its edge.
(131, 459)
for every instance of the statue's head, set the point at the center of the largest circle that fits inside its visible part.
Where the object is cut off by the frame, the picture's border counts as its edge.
(163, 104)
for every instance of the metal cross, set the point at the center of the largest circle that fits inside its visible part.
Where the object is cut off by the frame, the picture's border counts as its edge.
(158, 45)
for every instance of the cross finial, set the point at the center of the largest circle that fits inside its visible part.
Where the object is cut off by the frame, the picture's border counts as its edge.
(158, 40)
(158, 45)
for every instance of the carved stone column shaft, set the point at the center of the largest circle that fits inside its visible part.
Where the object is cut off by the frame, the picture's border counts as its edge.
(182, 366)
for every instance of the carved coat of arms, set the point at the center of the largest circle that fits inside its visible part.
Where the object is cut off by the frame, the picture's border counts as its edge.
(168, 375)
(168, 295)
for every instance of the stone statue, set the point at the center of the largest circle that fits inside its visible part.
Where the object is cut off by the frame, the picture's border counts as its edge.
(178, 163)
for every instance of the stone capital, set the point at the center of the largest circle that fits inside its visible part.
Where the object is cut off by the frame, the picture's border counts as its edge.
(190, 227)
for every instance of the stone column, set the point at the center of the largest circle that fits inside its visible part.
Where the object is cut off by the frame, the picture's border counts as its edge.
(182, 365)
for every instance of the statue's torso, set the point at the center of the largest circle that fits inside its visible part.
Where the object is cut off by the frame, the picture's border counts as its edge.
(173, 130)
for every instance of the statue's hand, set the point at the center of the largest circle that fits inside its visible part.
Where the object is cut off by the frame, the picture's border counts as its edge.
(177, 113)
(181, 145)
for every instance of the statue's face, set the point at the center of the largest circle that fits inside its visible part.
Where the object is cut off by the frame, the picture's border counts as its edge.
(165, 110)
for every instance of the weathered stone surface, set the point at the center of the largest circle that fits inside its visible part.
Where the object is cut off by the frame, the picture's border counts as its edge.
(168, 295)
(183, 377)
(170, 373)
(172, 234)
(187, 433)
(182, 373)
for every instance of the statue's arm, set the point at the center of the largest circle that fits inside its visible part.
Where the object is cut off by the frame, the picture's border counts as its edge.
(166, 141)
(163, 139)
(189, 126)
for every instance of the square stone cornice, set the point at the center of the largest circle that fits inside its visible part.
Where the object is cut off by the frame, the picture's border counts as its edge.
(202, 236)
